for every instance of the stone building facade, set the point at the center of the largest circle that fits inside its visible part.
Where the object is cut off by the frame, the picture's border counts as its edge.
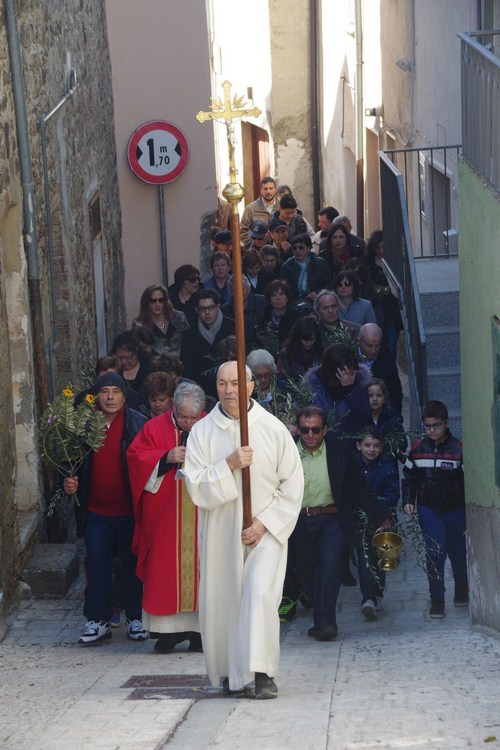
(76, 235)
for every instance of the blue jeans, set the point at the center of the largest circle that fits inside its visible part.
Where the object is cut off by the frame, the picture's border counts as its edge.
(104, 537)
(448, 530)
(319, 544)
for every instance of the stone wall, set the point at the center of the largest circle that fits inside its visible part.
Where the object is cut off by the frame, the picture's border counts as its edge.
(54, 38)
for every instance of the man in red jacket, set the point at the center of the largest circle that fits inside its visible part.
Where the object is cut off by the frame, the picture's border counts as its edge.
(104, 499)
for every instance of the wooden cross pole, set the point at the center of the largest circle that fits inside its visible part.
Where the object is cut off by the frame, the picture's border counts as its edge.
(227, 111)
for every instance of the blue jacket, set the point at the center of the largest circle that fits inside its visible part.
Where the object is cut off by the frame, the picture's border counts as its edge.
(348, 407)
(389, 424)
(383, 478)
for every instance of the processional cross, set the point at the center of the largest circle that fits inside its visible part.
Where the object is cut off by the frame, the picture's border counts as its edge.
(227, 111)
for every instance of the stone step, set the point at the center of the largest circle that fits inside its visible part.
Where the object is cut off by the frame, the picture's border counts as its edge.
(51, 569)
(443, 384)
(440, 309)
(443, 346)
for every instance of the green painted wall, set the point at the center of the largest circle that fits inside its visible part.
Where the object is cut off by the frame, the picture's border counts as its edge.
(479, 263)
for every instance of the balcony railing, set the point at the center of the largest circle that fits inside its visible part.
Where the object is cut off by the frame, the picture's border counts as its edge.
(481, 105)
(429, 180)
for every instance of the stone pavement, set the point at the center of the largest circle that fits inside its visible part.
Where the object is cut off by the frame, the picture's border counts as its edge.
(401, 682)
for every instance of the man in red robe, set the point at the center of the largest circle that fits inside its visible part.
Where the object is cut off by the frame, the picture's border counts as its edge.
(165, 536)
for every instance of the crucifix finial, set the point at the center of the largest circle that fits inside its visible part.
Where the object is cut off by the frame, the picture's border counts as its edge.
(227, 111)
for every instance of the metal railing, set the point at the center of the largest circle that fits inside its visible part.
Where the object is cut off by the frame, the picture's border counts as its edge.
(429, 175)
(481, 105)
(398, 253)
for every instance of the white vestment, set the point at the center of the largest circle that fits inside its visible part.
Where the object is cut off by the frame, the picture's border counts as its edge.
(241, 587)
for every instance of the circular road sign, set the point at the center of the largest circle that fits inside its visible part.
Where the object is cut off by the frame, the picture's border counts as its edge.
(158, 152)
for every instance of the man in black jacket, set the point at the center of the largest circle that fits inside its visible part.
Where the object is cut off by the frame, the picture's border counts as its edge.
(106, 514)
(335, 489)
(381, 362)
(305, 273)
(199, 342)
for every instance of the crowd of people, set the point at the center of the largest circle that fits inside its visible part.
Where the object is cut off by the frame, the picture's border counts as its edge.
(160, 502)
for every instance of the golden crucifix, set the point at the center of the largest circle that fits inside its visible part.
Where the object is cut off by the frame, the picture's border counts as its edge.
(225, 112)
(228, 111)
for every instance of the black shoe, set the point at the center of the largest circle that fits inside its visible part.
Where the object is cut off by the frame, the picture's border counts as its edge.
(436, 611)
(265, 687)
(241, 693)
(167, 642)
(195, 644)
(326, 632)
(312, 631)
(461, 598)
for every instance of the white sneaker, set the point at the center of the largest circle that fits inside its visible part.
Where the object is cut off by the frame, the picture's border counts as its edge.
(95, 632)
(136, 630)
(368, 609)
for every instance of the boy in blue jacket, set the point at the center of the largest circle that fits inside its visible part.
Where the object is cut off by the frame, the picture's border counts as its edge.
(433, 482)
(381, 473)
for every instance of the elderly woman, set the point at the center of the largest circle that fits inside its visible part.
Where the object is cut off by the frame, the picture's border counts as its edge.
(264, 370)
(340, 387)
(352, 306)
(279, 314)
(158, 315)
(182, 292)
(165, 538)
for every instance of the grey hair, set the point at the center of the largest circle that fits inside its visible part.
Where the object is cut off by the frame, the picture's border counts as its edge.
(244, 281)
(260, 357)
(324, 293)
(189, 392)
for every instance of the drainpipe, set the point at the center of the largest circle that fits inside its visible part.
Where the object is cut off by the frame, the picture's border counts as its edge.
(360, 185)
(313, 67)
(41, 124)
(29, 217)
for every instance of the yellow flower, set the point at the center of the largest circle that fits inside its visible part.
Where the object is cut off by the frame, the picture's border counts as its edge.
(89, 398)
(68, 392)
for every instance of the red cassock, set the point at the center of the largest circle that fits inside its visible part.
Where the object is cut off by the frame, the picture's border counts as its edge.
(166, 523)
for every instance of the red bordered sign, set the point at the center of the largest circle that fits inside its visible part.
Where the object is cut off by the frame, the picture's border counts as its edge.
(158, 152)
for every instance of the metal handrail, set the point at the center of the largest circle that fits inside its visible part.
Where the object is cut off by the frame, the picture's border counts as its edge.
(398, 252)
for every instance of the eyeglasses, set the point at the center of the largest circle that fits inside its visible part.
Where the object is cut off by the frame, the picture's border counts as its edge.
(307, 430)
(206, 309)
(126, 357)
(433, 426)
(159, 300)
(344, 282)
(194, 279)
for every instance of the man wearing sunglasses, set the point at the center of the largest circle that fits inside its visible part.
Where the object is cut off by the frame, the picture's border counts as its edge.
(305, 273)
(334, 490)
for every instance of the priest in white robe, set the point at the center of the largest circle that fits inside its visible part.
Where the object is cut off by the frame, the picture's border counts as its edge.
(242, 572)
